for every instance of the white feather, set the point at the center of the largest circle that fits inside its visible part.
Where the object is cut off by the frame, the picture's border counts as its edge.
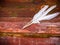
(40, 12)
(42, 15)
(49, 17)
(48, 10)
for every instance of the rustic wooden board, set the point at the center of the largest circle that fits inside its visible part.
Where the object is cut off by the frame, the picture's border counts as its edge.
(30, 35)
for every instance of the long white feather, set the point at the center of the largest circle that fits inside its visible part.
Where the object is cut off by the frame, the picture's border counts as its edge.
(49, 17)
(42, 15)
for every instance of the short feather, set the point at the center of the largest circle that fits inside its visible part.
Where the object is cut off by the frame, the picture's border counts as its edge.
(48, 17)
(40, 12)
(36, 20)
(47, 11)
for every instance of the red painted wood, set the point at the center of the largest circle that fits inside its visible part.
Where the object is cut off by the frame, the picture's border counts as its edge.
(15, 8)
(29, 41)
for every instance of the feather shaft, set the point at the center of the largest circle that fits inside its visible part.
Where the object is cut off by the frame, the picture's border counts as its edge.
(28, 24)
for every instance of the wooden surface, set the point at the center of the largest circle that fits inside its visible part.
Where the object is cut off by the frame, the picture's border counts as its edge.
(14, 14)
